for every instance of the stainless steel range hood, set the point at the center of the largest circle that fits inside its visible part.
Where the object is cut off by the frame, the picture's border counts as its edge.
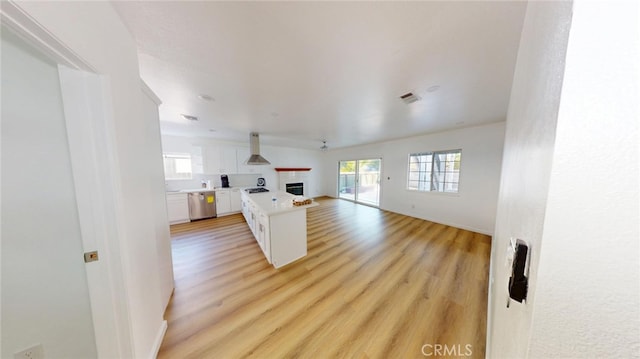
(254, 146)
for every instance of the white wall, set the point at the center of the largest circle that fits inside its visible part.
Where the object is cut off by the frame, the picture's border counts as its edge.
(94, 31)
(587, 300)
(526, 166)
(278, 156)
(156, 181)
(45, 297)
(473, 208)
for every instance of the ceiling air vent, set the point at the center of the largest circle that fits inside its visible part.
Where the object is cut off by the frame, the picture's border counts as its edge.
(189, 117)
(409, 98)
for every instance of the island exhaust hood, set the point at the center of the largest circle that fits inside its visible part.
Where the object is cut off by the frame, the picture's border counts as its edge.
(254, 147)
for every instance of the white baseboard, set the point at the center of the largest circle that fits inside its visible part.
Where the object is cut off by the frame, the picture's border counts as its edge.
(456, 225)
(158, 342)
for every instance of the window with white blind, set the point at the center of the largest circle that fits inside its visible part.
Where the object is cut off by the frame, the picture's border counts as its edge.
(437, 171)
(177, 166)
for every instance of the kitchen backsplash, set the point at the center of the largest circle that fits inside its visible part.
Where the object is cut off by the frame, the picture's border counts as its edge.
(235, 180)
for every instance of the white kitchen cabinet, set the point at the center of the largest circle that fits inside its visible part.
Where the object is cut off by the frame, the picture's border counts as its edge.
(264, 235)
(254, 218)
(197, 162)
(223, 202)
(220, 159)
(245, 208)
(228, 160)
(177, 208)
(236, 202)
(228, 201)
(211, 159)
(280, 230)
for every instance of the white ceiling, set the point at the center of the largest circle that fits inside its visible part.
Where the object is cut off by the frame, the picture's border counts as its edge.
(301, 72)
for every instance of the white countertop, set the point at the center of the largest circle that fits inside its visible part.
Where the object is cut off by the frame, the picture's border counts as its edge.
(195, 190)
(201, 190)
(284, 202)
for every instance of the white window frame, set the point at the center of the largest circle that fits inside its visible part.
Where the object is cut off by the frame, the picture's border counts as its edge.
(427, 173)
(177, 156)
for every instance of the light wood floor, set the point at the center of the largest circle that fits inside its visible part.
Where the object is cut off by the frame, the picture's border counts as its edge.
(374, 284)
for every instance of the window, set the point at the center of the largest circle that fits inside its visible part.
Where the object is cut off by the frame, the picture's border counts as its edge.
(177, 166)
(437, 171)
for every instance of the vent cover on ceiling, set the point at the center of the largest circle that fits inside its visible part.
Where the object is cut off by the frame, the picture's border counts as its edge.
(189, 117)
(409, 98)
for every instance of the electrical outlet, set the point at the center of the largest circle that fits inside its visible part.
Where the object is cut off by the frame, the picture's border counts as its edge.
(33, 352)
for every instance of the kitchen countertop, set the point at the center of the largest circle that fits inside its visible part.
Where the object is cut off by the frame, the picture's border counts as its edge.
(196, 190)
(284, 202)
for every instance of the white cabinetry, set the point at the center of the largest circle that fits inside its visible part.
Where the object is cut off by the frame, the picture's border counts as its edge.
(219, 160)
(197, 164)
(211, 159)
(228, 201)
(244, 202)
(236, 205)
(264, 235)
(177, 208)
(228, 159)
(280, 230)
(223, 202)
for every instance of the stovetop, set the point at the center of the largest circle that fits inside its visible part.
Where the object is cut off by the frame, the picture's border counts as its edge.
(256, 190)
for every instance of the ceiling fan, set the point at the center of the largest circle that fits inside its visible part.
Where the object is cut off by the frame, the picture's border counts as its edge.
(324, 146)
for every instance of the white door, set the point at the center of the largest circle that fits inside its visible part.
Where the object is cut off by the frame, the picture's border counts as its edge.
(59, 200)
(45, 292)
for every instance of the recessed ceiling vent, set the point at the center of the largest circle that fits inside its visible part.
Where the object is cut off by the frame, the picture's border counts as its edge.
(409, 97)
(189, 117)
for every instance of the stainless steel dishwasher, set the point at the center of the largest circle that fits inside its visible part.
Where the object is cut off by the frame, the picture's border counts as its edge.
(202, 205)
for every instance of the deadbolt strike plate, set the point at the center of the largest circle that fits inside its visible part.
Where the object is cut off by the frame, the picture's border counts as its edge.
(91, 256)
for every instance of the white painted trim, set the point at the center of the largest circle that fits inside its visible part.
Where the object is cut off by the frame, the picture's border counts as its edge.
(489, 330)
(158, 341)
(149, 92)
(466, 228)
(88, 117)
(85, 99)
(25, 26)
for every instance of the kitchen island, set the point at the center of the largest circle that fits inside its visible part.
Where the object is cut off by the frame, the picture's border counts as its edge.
(280, 228)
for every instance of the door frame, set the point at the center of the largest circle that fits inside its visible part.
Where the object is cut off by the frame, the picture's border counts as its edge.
(357, 181)
(95, 172)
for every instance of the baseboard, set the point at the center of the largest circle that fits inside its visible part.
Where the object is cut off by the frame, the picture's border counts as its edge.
(456, 225)
(446, 223)
(158, 342)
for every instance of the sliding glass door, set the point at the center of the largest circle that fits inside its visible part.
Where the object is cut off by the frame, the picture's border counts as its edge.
(359, 180)
(347, 180)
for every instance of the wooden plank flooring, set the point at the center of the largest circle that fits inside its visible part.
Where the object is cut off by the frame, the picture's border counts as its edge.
(374, 284)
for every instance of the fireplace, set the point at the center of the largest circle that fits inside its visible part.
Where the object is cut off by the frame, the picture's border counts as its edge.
(294, 180)
(295, 188)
